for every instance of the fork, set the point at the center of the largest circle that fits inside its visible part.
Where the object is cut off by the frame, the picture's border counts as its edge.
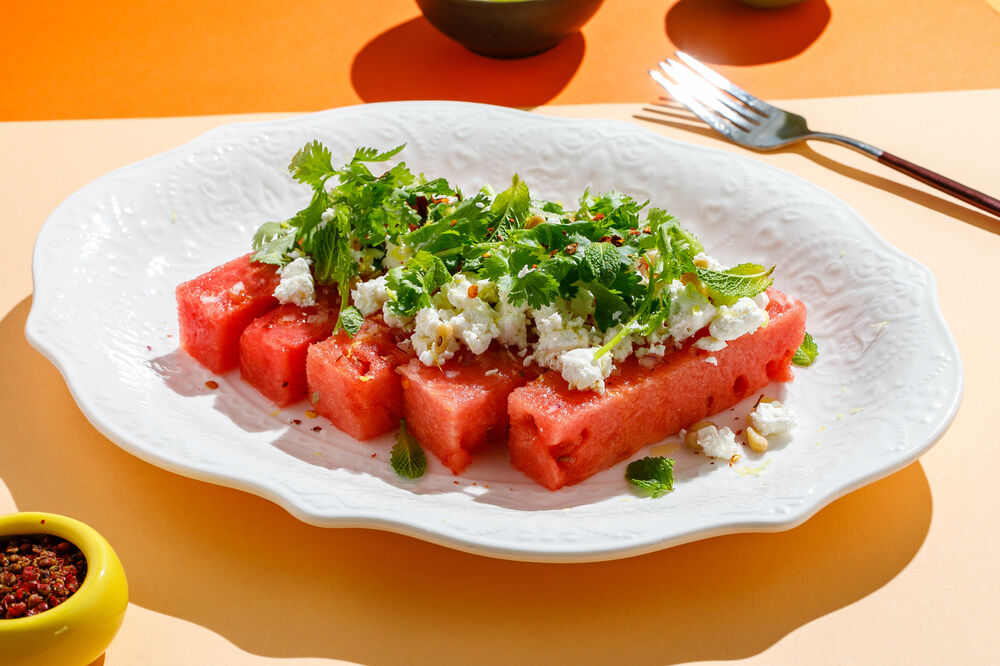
(750, 121)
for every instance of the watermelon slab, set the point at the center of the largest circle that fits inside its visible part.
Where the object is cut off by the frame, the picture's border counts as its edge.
(353, 381)
(460, 407)
(214, 308)
(559, 436)
(273, 349)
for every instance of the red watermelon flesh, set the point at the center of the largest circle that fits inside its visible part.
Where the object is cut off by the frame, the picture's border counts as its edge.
(461, 407)
(273, 349)
(560, 436)
(213, 310)
(353, 381)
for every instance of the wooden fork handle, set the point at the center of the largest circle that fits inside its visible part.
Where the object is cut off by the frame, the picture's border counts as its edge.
(956, 189)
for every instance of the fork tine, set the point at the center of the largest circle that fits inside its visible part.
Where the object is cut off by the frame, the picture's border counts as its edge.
(723, 83)
(719, 124)
(709, 95)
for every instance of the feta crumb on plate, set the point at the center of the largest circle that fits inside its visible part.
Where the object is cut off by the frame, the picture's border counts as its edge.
(772, 418)
(718, 442)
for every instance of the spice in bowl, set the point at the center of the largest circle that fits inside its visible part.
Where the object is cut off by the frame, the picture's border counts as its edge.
(37, 572)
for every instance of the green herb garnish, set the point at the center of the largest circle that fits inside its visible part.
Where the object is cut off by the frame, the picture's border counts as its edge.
(807, 352)
(406, 457)
(654, 476)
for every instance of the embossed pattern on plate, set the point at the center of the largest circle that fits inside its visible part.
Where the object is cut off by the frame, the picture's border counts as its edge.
(106, 263)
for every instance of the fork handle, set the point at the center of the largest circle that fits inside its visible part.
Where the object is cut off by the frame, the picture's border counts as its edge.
(956, 189)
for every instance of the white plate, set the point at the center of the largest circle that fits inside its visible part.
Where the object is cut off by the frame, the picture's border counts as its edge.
(106, 262)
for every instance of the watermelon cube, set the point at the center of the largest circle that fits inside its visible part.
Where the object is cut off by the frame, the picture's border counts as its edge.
(461, 407)
(273, 349)
(560, 436)
(353, 381)
(214, 308)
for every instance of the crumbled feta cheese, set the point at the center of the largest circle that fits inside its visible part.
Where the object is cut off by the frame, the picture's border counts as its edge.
(394, 320)
(237, 288)
(491, 371)
(772, 418)
(558, 332)
(690, 311)
(512, 322)
(708, 343)
(328, 214)
(762, 299)
(475, 321)
(395, 255)
(718, 442)
(735, 321)
(433, 338)
(582, 371)
(369, 296)
(711, 359)
(705, 261)
(623, 349)
(296, 284)
(205, 298)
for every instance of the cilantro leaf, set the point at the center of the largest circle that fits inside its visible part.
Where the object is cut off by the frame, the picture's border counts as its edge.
(655, 476)
(272, 242)
(807, 352)
(407, 458)
(536, 288)
(312, 165)
(728, 286)
(373, 155)
(351, 319)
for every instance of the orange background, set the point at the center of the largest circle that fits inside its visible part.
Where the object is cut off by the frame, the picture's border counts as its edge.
(63, 59)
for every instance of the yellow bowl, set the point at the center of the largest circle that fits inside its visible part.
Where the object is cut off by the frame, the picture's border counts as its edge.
(77, 631)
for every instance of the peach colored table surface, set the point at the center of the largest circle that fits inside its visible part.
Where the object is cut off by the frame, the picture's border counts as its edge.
(901, 571)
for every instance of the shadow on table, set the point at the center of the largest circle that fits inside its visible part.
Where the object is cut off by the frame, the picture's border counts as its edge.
(412, 61)
(246, 570)
(725, 32)
(672, 114)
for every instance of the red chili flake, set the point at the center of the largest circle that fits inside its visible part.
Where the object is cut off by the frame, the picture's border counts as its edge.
(473, 291)
(598, 216)
(297, 421)
(212, 384)
(148, 348)
(486, 255)
(316, 428)
(489, 229)
(646, 230)
(453, 223)
(534, 265)
(617, 240)
(633, 231)
(571, 248)
(37, 572)
(374, 454)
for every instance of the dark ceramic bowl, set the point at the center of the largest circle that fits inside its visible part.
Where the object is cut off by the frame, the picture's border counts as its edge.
(508, 28)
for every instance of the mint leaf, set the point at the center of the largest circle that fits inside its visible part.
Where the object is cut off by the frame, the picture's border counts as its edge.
(601, 263)
(745, 280)
(807, 352)
(653, 475)
(312, 164)
(407, 458)
(512, 203)
(351, 319)
(272, 243)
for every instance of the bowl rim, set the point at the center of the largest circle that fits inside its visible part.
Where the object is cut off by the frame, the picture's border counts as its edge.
(95, 548)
